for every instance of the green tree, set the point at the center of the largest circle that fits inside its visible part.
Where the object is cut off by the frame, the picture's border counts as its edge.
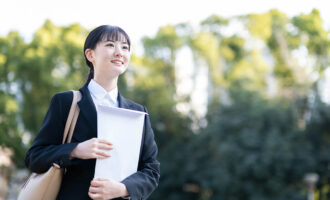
(149, 74)
(318, 131)
(53, 62)
(251, 149)
(12, 47)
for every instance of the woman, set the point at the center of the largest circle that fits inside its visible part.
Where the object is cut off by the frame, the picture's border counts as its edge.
(107, 54)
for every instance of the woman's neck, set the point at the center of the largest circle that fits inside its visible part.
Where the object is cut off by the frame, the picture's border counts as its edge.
(107, 83)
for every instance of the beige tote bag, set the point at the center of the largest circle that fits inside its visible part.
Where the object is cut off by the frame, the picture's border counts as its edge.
(46, 186)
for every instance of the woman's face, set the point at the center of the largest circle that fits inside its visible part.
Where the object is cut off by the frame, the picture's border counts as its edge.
(110, 58)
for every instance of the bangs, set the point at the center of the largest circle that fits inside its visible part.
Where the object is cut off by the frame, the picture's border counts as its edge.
(115, 34)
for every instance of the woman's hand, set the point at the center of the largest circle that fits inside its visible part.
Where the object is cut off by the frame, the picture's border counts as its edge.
(106, 189)
(93, 148)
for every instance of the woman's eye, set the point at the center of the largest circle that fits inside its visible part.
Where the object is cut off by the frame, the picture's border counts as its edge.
(110, 45)
(125, 47)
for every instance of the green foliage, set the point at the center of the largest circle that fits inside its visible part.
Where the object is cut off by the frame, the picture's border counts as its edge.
(318, 131)
(10, 135)
(11, 48)
(313, 35)
(164, 44)
(54, 62)
(251, 149)
(150, 75)
(32, 73)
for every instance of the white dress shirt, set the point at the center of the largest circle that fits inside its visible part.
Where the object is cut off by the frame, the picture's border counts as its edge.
(101, 97)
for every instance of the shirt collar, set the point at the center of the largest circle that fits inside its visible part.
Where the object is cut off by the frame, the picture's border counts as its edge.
(99, 92)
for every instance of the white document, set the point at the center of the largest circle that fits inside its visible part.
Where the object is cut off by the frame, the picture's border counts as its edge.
(123, 128)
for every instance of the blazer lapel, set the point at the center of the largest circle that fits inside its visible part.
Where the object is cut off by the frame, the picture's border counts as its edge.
(123, 103)
(88, 110)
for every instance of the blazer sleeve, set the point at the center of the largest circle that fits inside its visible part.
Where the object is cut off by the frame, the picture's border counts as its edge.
(47, 147)
(142, 183)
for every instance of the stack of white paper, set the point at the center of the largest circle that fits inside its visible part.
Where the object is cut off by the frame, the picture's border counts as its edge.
(123, 128)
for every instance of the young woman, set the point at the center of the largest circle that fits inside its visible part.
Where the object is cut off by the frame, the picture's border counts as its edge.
(107, 54)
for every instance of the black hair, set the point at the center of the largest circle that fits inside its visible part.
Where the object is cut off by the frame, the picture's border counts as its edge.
(101, 33)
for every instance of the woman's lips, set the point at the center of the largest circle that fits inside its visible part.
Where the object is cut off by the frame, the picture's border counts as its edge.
(117, 62)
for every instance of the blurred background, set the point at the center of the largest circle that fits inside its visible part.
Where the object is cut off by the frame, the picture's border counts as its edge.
(238, 92)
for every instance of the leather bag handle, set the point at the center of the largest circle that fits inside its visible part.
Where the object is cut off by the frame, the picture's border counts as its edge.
(72, 117)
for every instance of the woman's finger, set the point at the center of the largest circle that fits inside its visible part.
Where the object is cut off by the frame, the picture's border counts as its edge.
(94, 195)
(93, 189)
(104, 146)
(96, 183)
(104, 141)
(101, 179)
(102, 154)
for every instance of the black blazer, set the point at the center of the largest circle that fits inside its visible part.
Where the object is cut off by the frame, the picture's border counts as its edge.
(47, 148)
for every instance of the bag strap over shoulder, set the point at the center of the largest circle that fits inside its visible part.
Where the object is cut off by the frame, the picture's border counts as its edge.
(72, 117)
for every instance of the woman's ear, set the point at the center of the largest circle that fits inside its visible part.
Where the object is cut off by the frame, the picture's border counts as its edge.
(89, 55)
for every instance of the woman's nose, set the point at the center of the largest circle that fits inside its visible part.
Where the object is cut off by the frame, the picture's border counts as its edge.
(118, 51)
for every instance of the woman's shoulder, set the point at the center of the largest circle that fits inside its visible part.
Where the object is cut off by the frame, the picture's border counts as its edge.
(64, 98)
(63, 95)
(133, 105)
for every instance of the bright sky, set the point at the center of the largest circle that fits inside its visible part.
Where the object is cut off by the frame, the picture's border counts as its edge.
(138, 17)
